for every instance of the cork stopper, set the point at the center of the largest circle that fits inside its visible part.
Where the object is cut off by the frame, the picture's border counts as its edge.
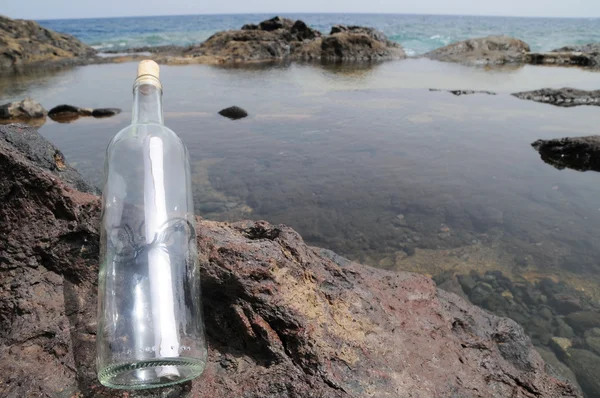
(148, 67)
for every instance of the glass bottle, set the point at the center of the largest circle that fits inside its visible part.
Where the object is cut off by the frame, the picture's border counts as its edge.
(150, 325)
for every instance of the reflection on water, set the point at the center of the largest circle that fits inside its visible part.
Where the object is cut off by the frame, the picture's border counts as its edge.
(367, 162)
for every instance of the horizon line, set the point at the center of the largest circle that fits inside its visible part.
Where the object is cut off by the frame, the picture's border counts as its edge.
(315, 13)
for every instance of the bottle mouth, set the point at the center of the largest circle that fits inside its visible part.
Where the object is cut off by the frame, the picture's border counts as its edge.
(147, 80)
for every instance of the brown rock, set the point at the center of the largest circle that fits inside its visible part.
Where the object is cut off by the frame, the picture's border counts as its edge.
(24, 43)
(22, 110)
(282, 320)
(491, 50)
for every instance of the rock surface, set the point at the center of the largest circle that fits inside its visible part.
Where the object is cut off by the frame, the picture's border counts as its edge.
(233, 113)
(280, 38)
(564, 59)
(282, 320)
(69, 113)
(491, 50)
(577, 153)
(22, 110)
(564, 97)
(24, 43)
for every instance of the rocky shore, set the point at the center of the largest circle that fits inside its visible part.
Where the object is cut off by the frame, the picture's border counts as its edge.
(577, 153)
(283, 318)
(25, 44)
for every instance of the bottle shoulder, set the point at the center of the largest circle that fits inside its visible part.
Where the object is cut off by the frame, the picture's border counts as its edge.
(137, 133)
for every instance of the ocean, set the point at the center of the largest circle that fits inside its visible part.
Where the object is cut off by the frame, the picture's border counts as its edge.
(417, 33)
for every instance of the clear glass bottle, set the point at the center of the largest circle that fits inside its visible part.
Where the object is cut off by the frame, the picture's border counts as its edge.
(150, 325)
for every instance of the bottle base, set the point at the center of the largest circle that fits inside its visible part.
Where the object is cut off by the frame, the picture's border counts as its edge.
(151, 373)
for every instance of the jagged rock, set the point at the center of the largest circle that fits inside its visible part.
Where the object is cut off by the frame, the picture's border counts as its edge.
(276, 23)
(577, 153)
(24, 43)
(233, 113)
(565, 97)
(280, 38)
(491, 50)
(250, 26)
(22, 110)
(281, 319)
(464, 92)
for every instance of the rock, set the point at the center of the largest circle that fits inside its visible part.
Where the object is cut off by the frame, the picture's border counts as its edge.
(22, 110)
(69, 113)
(562, 329)
(375, 34)
(276, 23)
(464, 92)
(554, 365)
(356, 43)
(593, 344)
(250, 26)
(233, 113)
(577, 153)
(586, 366)
(302, 32)
(26, 43)
(452, 285)
(586, 48)
(564, 97)
(281, 319)
(28, 142)
(105, 112)
(564, 59)
(491, 50)
(283, 39)
(467, 283)
(560, 346)
(583, 320)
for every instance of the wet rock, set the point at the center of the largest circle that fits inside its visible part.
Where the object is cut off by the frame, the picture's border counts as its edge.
(281, 319)
(586, 366)
(564, 59)
(37, 150)
(583, 320)
(556, 367)
(452, 285)
(539, 329)
(233, 113)
(560, 346)
(491, 50)
(593, 343)
(562, 329)
(467, 283)
(250, 26)
(464, 92)
(105, 112)
(564, 97)
(22, 110)
(577, 153)
(25, 43)
(586, 48)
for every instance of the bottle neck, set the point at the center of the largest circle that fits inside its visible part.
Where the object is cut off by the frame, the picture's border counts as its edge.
(147, 101)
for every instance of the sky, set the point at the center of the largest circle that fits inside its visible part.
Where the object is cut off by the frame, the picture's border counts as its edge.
(57, 9)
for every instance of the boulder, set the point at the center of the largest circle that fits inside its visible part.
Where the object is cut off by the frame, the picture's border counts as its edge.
(276, 23)
(357, 46)
(25, 43)
(553, 364)
(586, 366)
(564, 59)
(233, 113)
(583, 320)
(22, 110)
(281, 319)
(565, 97)
(250, 26)
(586, 48)
(301, 31)
(560, 346)
(491, 50)
(577, 153)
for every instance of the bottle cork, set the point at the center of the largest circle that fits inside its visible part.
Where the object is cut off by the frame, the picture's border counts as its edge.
(148, 67)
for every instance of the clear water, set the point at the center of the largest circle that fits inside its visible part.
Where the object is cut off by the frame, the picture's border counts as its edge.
(417, 33)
